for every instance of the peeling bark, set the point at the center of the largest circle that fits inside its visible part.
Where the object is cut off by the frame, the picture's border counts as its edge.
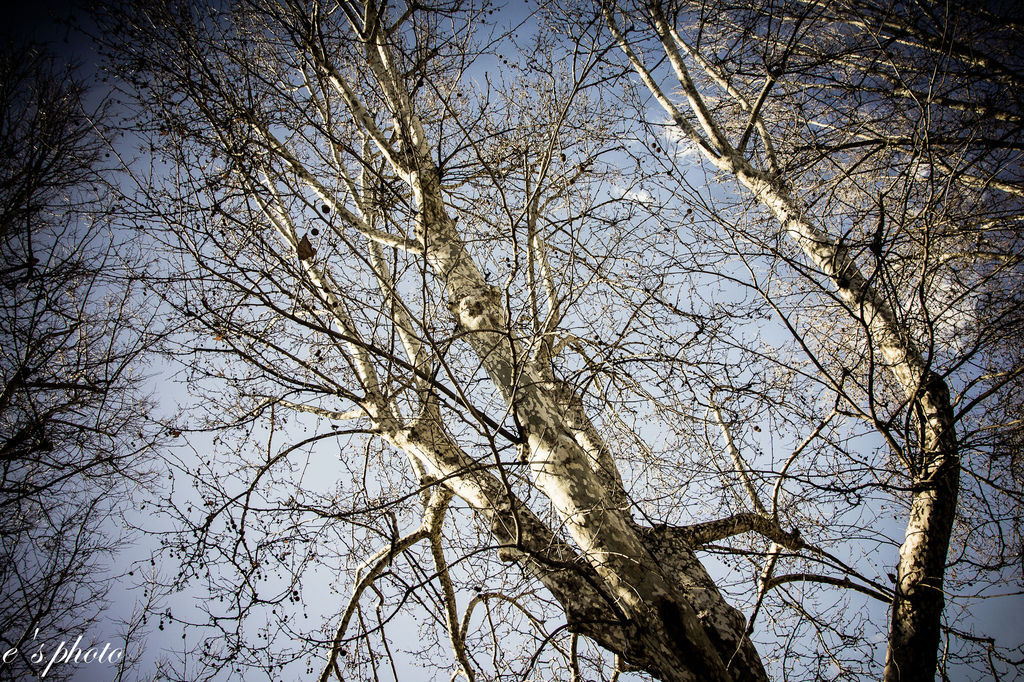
(724, 624)
(719, 529)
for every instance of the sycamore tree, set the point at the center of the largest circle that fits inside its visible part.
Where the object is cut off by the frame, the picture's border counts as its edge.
(480, 339)
(876, 151)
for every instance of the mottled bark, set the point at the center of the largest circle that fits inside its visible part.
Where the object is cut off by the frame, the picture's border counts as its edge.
(724, 624)
(710, 531)
(657, 641)
(919, 599)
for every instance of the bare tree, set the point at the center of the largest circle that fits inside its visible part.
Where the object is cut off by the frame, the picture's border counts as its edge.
(883, 141)
(72, 421)
(475, 262)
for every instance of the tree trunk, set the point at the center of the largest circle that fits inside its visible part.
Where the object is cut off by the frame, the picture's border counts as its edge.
(919, 600)
(670, 640)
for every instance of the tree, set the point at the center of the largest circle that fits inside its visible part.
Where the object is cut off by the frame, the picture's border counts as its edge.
(73, 429)
(526, 315)
(884, 141)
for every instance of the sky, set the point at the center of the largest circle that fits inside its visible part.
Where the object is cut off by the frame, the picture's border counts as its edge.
(43, 21)
(47, 21)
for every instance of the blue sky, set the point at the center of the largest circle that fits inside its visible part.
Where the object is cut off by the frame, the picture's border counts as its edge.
(41, 21)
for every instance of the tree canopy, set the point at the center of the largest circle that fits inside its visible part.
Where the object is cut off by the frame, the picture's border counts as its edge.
(75, 437)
